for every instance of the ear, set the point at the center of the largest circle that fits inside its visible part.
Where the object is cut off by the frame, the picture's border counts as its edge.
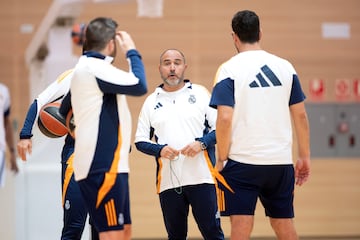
(235, 37)
(110, 46)
(113, 44)
(260, 34)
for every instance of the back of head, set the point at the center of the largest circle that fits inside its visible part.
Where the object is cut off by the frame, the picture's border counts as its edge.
(99, 32)
(246, 25)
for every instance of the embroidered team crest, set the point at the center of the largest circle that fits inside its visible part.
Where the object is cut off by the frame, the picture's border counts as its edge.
(67, 205)
(121, 219)
(192, 99)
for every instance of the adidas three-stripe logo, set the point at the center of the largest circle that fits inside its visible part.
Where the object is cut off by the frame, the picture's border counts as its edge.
(263, 82)
(158, 105)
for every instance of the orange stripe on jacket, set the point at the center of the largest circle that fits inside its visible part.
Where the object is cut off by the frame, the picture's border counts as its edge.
(222, 180)
(110, 176)
(217, 178)
(221, 200)
(64, 75)
(159, 175)
(215, 173)
(68, 174)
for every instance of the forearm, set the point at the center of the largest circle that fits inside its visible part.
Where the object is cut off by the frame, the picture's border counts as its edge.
(137, 67)
(223, 137)
(149, 148)
(26, 131)
(9, 136)
(223, 131)
(10, 143)
(303, 136)
(302, 129)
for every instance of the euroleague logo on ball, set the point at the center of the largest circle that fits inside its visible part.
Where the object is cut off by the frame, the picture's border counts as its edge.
(78, 33)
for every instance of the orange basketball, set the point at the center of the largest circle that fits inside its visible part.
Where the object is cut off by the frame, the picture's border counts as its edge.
(51, 123)
(78, 33)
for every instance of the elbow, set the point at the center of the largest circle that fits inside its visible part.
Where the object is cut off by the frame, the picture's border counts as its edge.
(143, 90)
(136, 90)
(141, 87)
(225, 120)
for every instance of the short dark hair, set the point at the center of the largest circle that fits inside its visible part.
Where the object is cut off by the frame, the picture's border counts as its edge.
(246, 25)
(99, 32)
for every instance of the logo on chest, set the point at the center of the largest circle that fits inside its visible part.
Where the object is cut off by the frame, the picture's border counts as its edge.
(192, 99)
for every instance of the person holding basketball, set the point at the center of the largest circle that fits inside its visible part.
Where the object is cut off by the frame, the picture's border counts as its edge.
(177, 127)
(74, 209)
(257, 95)
(103, 125)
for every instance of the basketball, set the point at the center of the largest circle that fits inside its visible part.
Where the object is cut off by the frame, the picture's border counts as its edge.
(70, 123)
(51, 123)
(78, 33)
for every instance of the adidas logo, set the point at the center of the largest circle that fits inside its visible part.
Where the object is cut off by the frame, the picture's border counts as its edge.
(158, 105)
(263, 82)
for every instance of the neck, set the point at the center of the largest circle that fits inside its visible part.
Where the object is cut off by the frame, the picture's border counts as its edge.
(243, 47)
(170, 88)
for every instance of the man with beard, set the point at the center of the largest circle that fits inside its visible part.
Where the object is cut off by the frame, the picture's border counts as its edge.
(177, 127)
(103, 125)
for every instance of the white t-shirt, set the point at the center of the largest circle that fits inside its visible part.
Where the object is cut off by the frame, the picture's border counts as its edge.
(260, 87)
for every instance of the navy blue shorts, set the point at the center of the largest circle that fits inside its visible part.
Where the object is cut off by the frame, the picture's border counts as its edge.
(113, 211)
(272, 184)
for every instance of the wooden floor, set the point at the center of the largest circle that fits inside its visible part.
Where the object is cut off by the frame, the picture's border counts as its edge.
(326, 207)
(271, 238)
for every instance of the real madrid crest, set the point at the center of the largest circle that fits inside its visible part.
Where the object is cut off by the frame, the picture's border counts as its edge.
(192, 99)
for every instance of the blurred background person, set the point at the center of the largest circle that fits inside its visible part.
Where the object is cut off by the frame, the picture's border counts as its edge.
(6, 135)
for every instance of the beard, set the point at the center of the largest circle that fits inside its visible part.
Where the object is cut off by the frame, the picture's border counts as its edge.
(172, 80)
(172, 83)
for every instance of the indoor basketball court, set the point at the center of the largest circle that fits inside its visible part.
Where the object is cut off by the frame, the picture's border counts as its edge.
(321, 38)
